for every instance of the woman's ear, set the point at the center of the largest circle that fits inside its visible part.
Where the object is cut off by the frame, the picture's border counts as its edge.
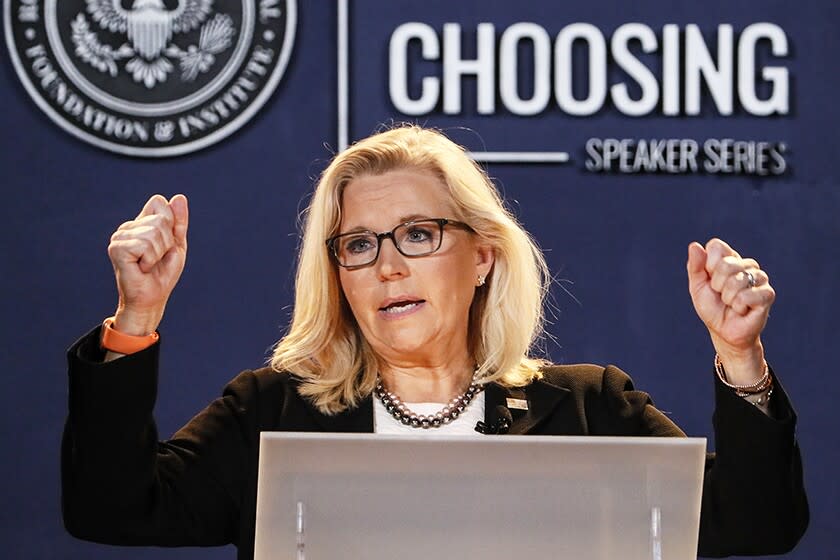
(485, 256)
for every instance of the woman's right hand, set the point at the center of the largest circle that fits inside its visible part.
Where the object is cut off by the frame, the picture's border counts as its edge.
(148, 255)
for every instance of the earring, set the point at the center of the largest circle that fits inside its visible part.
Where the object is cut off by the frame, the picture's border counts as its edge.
(480, 280)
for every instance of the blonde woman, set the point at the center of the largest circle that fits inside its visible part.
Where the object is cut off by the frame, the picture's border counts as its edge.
(418, 299)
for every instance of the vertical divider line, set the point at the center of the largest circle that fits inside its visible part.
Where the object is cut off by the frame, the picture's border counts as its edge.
(343, 71)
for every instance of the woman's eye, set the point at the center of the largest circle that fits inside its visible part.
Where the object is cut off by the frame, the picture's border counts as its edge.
(358, 245)
(417, 235)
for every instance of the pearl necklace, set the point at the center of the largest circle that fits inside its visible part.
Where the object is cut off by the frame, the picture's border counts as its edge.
(398, 409)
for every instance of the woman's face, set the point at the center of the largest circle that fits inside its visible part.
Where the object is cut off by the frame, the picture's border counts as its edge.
(411, 310)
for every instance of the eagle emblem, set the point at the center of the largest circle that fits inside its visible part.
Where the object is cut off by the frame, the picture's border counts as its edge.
(149, 28)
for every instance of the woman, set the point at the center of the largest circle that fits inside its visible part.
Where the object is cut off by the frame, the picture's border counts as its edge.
(417, 300)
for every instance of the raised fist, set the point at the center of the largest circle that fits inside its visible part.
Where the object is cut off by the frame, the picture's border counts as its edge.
(148, 255)
(732, 295)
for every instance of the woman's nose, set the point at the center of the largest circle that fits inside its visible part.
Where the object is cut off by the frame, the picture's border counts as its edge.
(391, 263)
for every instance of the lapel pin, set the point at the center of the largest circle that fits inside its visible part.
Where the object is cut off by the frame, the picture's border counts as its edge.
(518, 404)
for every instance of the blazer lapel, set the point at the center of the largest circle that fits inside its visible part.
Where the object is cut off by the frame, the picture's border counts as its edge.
(541, 398)
(356, 420)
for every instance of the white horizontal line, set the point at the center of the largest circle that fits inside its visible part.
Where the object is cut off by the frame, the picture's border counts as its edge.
(514, 157)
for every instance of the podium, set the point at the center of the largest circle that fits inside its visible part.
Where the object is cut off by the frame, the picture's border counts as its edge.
(378, 497)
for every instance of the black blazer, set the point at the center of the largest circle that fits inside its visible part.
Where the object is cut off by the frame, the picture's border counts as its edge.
(120, 485)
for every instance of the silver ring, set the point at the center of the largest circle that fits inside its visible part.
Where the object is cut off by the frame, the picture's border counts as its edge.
(750, 278)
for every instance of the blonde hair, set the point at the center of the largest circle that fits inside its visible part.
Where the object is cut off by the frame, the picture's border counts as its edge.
(324, 346)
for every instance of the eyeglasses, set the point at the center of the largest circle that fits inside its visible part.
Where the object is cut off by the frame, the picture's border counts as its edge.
(412, 239)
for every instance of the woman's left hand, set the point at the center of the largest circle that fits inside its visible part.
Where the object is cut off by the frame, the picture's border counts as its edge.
(732, 296)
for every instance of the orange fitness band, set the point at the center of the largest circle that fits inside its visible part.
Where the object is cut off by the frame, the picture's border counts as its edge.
(122, 343)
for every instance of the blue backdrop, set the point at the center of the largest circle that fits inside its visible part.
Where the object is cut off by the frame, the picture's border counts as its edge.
(616, 242)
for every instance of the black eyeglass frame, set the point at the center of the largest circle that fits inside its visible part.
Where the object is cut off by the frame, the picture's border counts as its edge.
(441, 222)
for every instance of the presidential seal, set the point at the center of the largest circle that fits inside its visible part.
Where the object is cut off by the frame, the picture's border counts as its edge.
(150, 78)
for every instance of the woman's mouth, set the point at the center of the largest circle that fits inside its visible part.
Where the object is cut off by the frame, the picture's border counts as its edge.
(401, 308)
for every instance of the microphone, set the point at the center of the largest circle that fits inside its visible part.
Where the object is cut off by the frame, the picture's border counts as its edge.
(500, 426)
